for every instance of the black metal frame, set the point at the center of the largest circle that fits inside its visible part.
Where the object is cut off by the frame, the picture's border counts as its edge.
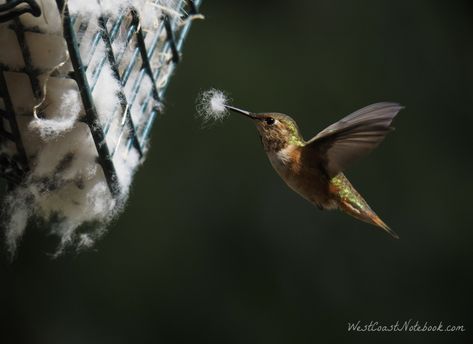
(15, 171)
(14, 8)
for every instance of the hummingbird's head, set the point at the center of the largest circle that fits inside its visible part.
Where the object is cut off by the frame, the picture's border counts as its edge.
(276, 130)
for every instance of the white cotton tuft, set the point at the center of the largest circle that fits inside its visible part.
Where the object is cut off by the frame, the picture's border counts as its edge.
(17, 206)
(61, 120)
(211, 105)
(106, 94)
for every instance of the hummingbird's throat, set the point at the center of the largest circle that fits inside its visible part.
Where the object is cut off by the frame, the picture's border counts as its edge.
(273, 141)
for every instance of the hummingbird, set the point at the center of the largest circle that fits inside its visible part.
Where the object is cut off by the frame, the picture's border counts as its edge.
(314, 169)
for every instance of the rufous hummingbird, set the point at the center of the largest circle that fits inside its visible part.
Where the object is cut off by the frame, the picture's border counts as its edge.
(314, 168)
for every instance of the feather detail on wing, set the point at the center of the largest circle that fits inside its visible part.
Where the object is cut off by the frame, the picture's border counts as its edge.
(354, 136)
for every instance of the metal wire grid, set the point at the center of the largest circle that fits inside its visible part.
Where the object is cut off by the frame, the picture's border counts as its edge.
(143, 50)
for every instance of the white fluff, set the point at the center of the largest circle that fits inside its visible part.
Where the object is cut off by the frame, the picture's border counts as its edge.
(148, 10)
(211, 105)
(106, 95)
(66, 187)
(63, 110)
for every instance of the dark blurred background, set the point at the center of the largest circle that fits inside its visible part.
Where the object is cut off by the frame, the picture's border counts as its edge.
(214, 248)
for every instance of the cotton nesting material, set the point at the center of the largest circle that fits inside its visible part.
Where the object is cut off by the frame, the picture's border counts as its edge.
(211, 105)
(66, 190)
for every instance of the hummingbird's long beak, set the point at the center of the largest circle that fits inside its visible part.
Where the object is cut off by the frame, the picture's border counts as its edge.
(243, 112)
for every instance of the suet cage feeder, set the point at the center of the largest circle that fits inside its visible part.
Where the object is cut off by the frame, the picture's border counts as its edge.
(166, 41)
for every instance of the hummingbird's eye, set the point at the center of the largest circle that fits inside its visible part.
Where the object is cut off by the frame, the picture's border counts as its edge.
(270, 121)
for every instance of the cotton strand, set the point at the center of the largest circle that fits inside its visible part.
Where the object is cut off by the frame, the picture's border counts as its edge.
(211, 105)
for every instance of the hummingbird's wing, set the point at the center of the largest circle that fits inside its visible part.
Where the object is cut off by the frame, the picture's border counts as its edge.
(354, 136)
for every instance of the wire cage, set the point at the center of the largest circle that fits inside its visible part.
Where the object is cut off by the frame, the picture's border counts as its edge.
(151, 55)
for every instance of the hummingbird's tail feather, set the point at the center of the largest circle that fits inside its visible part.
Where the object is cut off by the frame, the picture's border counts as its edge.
(375, 220)
(352, 203)
(366, 215)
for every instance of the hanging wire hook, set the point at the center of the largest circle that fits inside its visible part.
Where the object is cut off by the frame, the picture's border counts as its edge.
(15, 8)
